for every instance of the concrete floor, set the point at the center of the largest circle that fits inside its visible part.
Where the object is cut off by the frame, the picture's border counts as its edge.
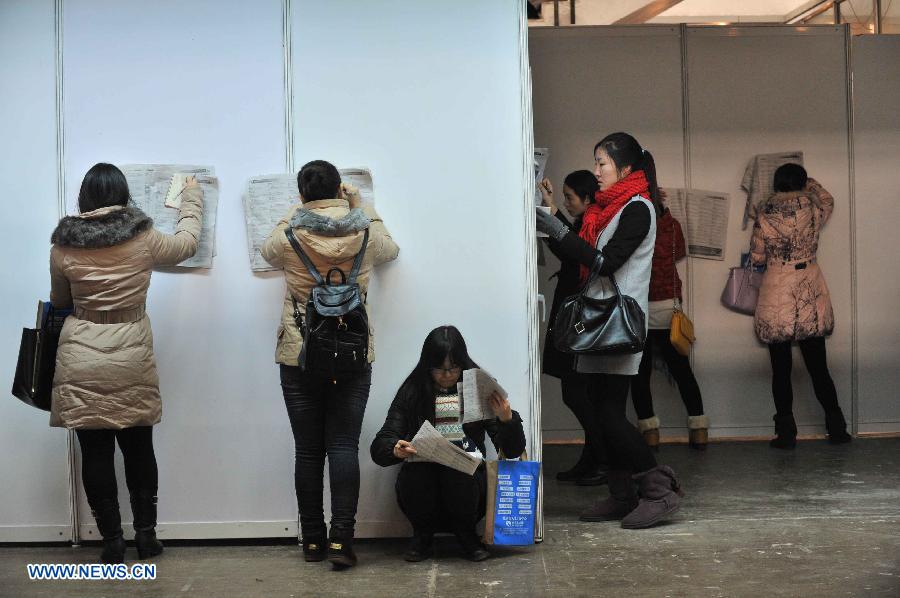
(818, 521)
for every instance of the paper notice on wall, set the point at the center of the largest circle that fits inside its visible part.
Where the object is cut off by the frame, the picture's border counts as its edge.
(759, 177)
(475, 393)
(268, 198)
(541, 155)
(149, 186)
(703, 216)
(432, 447)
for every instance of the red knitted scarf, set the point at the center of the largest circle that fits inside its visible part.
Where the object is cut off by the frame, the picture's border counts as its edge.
(606, 205)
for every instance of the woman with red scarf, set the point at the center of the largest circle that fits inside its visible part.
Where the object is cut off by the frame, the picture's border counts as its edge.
(617, 237)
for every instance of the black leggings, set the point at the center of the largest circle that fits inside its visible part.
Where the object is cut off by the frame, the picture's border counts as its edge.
(437, 499)
(98, 471)
(813, 351)
(680, 368)
(624, 447)
(575, 396)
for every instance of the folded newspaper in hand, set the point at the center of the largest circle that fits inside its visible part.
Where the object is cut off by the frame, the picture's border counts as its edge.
(475, 393)
(432, 447)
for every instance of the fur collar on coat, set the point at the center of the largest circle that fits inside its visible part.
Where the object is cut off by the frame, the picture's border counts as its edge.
(355, 221)
(101, 228)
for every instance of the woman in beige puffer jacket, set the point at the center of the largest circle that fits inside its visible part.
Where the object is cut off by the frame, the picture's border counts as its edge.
(326, 414)
(794, 303)
(106, 387)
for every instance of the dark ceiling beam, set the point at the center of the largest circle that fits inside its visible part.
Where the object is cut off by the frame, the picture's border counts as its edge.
(647, 12)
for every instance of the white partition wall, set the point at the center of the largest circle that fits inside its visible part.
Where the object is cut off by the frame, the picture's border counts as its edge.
(198, 82)
(588, 82)
(876, 143)
(758, 90)
(429, 98)
(33, 457)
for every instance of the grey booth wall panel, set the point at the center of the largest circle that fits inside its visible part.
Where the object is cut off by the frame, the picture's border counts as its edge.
(33, 456)
(429, 99)
(200, 82)
(588, 82)
(876, 98)
(758, 90)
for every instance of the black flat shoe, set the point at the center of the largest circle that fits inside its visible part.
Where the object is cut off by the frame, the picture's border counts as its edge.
(314, 550)
(472, 547)
(420, 548)
(598, 478)
(340, 553)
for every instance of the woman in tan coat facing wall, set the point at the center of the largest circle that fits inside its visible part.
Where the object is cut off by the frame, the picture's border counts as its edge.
(106, 387)
(794, 303)
(326, 412)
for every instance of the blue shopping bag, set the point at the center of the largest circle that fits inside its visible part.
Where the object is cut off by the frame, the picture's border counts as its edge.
(511, 502)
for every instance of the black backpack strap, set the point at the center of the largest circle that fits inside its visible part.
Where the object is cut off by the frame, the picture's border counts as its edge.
(357, 263)
(303, 257)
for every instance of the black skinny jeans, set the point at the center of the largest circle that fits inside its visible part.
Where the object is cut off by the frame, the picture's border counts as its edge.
(575, 397)
(98, 471)
(813, 351)
(326, 419)
(436, 498)
(624, 447)
(680, 368)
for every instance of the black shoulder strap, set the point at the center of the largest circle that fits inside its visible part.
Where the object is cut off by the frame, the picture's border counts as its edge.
(303, 257)
(357, 263)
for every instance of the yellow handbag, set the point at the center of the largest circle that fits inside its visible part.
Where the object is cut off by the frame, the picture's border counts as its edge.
(681, 329)
(681, 332)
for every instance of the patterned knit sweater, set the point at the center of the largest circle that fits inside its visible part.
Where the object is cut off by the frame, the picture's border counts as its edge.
(447, 418)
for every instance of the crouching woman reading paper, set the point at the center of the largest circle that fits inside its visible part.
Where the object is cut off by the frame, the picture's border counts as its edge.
(432, 496)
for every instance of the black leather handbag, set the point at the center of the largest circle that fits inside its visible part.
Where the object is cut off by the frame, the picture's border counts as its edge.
(33, 382)
(590, 326)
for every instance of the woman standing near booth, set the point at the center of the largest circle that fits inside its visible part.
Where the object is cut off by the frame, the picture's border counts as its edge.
(665, 297)
(432, 496)
(794, 303)
(617, 238)
(106, 387)
(326, 414)
(579, 189)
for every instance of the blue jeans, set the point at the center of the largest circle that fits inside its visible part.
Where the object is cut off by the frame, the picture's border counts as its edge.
(326, 419)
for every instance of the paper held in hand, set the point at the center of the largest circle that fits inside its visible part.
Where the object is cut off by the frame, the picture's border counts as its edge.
(475, 393)
(173, 195)
(432, 447)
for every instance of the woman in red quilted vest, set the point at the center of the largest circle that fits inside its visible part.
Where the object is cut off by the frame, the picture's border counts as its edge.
(665, 297)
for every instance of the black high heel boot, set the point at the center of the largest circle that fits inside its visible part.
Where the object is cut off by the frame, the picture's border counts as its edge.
(837, 428)
(143, 507)
(109, 522)
(785, 432)
(315, 549)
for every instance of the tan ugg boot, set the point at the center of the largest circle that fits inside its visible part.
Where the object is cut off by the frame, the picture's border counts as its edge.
(649, 429)
(698, 429)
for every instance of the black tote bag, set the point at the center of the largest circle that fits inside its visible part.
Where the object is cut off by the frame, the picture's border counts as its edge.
(33, 382)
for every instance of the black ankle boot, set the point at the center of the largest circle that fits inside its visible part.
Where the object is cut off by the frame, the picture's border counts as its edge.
(143, 507)
(315, 549)
(420, 547)
(109, 522)
(471, 545)
(340, 550)
(837, 428)
(785, 432)
(584, 467)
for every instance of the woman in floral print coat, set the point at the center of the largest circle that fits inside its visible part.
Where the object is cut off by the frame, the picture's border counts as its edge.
(794, 303)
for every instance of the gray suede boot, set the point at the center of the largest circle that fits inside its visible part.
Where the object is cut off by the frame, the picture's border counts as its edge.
(659, 494)
(622, 499)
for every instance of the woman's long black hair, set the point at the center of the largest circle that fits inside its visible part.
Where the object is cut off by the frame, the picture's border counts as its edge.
(441, 343)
